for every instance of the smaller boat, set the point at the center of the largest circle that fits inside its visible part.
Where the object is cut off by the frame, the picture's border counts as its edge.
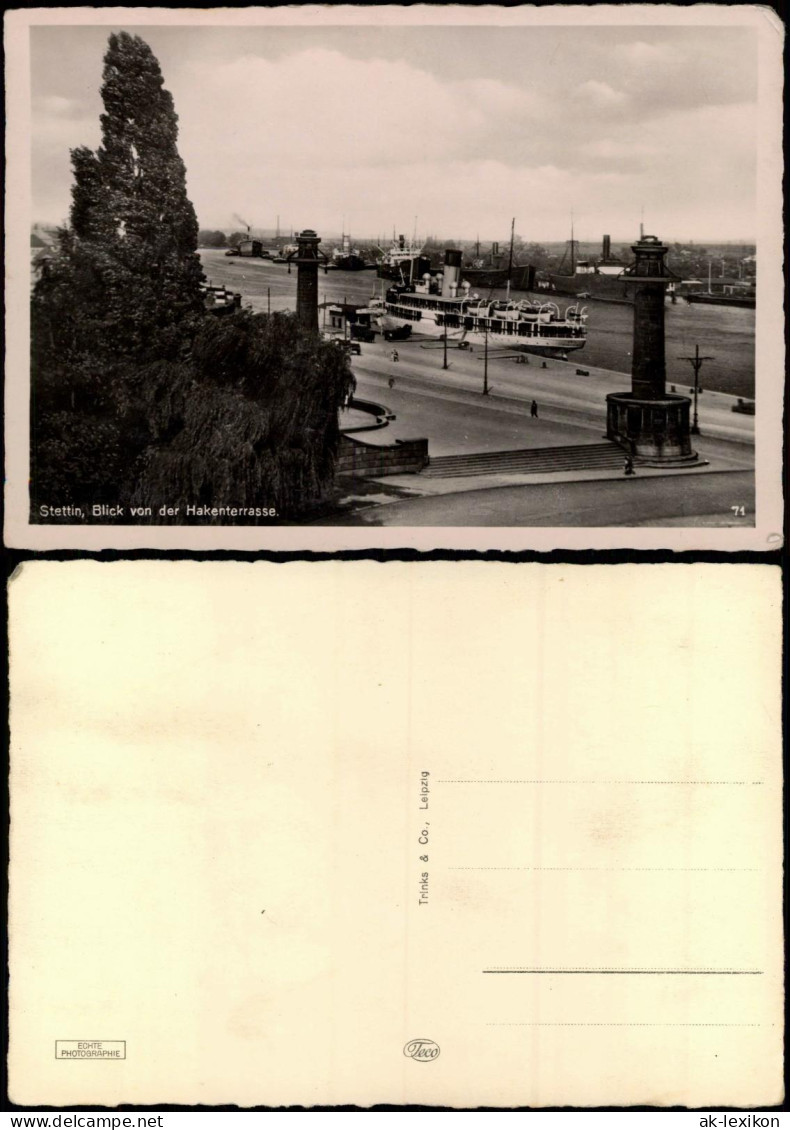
(346, 259)
(730, 292)
(285, 253)
(749, 301)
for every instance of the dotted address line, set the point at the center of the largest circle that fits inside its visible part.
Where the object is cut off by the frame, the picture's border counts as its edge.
(544, 781)
(726, 869)
(689, 972)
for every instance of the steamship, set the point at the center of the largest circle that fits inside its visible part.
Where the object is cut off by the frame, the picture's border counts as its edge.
(442, 304)
(346, 259)
(490, 277)
(403, 262)
(604, 280)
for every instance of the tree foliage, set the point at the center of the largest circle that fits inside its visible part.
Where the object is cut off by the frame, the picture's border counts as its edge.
(139, 396)
(130, 204)
(207, 238)
(257, 427)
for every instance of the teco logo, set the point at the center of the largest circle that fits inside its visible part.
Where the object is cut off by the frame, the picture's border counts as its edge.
(421, 1050)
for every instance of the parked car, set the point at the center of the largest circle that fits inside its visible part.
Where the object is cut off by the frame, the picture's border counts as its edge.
(399, 334)
(362, 333)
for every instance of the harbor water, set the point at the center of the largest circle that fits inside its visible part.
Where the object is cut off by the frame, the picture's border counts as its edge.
(725, 333)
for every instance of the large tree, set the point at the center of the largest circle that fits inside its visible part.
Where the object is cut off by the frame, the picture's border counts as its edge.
(123, 291)
(131, 217)
(138, 395)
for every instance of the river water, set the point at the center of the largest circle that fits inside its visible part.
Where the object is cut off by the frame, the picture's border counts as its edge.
(725, 333)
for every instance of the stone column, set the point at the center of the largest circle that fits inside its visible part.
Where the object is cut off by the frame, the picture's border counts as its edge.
(648, 368)
(306, 260)
(649, 423)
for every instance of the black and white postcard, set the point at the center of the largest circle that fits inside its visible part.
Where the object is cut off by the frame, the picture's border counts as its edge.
(340, 277)
(466, 833)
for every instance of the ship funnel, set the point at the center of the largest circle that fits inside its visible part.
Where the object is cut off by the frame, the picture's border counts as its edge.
(607, 247)
(452, 273)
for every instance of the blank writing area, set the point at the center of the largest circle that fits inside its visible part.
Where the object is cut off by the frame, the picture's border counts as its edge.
(431, 833)
(603, 821)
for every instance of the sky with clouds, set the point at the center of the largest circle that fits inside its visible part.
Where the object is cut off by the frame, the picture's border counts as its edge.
(460, 127)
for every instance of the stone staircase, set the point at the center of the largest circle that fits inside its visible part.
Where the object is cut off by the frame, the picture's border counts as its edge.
(528, 461)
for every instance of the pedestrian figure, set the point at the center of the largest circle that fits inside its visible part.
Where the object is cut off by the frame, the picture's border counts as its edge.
(394, 355)
(629, 466)
(391, 382)
(533, 409)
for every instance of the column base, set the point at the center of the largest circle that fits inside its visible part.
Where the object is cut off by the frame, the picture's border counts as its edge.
(655, 432)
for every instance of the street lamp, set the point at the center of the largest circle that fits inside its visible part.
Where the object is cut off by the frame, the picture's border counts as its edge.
(696, 364)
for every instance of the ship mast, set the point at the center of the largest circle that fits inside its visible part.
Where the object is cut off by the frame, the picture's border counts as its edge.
(413, 248)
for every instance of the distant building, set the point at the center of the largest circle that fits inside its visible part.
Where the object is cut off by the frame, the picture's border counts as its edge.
(339, 314)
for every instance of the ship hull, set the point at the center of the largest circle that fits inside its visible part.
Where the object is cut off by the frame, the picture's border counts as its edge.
(601, 288)
(405, 269)
(540, 342)
(349, 263)
(723, 300)
(484, 278)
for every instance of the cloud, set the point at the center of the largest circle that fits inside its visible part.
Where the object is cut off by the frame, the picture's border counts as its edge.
(322, 136)
(642, 54)
(625, 154)
(609, 150)
(313, 135)
(601, 94)
(661, 76)
(318, 106)
(55, 104)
